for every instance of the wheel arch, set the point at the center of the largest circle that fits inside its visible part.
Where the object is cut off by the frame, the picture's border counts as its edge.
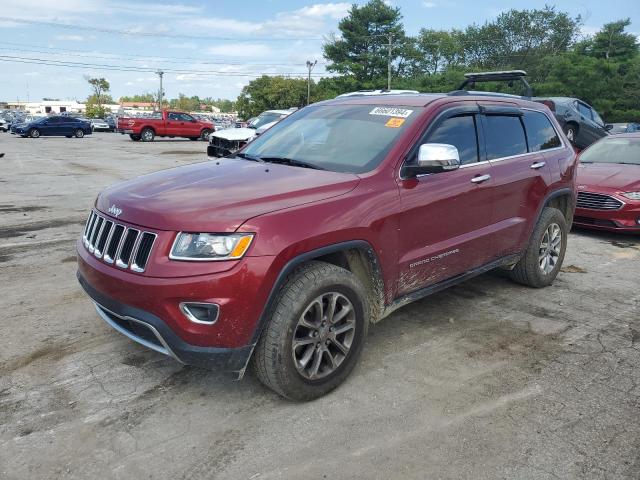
(356, 256)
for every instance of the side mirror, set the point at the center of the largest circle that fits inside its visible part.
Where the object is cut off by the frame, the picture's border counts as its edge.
(434, 158)
(608, 127)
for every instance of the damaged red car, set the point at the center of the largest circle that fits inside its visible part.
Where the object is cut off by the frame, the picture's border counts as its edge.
(281, 256)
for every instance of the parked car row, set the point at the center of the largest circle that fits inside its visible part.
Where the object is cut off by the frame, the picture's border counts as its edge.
(55, 125)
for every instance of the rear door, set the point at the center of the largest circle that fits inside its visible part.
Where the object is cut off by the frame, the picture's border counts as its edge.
(445, 226)
(52, 126)
(520, 173)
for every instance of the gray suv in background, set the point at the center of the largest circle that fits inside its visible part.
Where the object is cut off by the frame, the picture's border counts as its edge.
(579, 120)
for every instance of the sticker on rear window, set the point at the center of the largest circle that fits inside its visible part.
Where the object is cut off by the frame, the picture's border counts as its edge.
(394, 122)
(391, 112)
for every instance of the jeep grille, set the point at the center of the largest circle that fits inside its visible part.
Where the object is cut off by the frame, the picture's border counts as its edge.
(114, 243)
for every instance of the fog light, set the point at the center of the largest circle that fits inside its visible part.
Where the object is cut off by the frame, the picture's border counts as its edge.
(206, 313)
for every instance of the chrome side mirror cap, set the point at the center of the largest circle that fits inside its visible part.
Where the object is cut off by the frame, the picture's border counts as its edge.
(434, 158)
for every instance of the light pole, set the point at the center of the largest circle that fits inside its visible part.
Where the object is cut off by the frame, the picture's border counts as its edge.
(161, 93)
(310, 66)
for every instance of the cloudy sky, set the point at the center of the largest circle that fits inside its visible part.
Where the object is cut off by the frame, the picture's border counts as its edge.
(232, 41)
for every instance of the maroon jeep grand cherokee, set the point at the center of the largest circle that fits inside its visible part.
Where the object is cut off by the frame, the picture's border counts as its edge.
(329, 221)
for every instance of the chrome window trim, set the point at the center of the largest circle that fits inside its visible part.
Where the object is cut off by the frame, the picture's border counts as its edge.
(165, 349)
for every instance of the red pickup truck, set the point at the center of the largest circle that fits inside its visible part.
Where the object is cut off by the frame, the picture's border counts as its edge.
(165, 124)
(336, 216)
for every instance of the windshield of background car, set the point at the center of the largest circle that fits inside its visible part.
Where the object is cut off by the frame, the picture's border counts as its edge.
(613, 150)
(340, 138)
(263, 119)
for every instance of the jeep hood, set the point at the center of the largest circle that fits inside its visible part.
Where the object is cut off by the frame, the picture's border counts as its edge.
(219, 196)
(235, 133)
(609, 176)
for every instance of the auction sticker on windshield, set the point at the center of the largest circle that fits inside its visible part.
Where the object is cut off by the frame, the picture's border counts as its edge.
(391, 112)
(394, 122)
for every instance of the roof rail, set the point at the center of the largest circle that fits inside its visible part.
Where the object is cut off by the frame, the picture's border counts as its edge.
(503, 76)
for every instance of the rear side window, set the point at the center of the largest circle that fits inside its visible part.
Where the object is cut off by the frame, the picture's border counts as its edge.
(540, 132)
(461, 133)
(504, 136)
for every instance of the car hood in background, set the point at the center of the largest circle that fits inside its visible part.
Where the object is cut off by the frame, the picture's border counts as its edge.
(219, 196)
(235, 133)
(610, 176)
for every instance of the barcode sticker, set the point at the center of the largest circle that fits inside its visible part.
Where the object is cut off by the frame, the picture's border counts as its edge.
(391, 112)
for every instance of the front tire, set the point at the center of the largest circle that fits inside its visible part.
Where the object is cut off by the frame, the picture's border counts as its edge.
(34, 133)
(314, 334)
(541, 262)
(147, 135)
(79, 133)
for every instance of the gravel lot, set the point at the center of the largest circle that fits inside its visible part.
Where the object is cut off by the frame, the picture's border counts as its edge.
(488, 380)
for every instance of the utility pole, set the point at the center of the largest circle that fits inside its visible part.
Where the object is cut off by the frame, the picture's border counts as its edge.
(161, 93)
(389, 62)
(310, 66)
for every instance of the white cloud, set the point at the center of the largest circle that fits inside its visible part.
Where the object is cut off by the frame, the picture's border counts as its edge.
(240, 50)
(332, 10)
(429, 4)
(70, 38)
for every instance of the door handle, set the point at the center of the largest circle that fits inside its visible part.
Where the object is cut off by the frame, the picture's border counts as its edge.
(538, 165)
(481, 178)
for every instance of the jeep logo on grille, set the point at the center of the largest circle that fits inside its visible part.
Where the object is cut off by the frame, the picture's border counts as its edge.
(115, 211)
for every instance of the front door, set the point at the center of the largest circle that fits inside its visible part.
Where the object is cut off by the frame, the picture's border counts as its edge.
(446, 221)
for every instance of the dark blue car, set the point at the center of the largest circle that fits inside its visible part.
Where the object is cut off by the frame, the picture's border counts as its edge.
(54, 126)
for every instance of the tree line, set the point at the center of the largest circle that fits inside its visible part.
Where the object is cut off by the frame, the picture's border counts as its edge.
(372, 44)
(603, 69)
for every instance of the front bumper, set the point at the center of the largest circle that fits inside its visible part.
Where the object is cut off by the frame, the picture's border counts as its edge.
(152, 332)
(623, 220)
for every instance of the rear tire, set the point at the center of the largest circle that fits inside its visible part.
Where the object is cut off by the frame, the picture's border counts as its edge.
(321, 308)
(542, 260)
(147, 135)
(204, 135)
(79, 133)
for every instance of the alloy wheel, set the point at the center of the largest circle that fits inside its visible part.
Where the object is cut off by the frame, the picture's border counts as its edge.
(323, 335)
(550, 248)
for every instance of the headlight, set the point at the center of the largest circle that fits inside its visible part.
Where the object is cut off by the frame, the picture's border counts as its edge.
(632, 195)
(210, 246)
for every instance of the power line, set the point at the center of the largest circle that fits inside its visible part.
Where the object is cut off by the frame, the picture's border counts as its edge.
(137, 33)
(108, 67)
(111, 56)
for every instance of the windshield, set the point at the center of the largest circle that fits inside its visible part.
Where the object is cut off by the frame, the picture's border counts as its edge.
(613, 150)
(263, 119)
(341, 138)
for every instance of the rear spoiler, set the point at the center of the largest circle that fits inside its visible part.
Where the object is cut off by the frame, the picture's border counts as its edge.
(505, 76)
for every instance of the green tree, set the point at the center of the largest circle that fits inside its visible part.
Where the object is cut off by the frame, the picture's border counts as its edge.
(99, 86)
(362, 48)
(612, 42)
(142, 98)
(265, 93)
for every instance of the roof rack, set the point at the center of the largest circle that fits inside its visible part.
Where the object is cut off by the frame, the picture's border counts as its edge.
(503, 76)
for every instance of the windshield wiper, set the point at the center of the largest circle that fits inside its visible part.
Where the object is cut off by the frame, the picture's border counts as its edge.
(292, 162)
(246, 156)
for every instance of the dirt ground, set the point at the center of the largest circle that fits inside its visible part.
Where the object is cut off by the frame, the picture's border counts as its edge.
(487, 380)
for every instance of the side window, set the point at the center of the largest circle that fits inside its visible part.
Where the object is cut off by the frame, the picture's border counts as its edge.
(540, 132)
(504, 136)
(461, 133)
(186, 118)
(174, 116)
(597, 118)
(584, 110)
